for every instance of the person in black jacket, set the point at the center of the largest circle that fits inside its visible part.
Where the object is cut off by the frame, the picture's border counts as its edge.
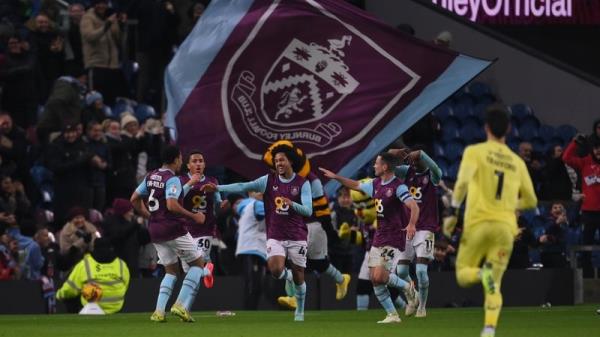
(124, 232)
(101, 164)
(121, 176)
(70, 160)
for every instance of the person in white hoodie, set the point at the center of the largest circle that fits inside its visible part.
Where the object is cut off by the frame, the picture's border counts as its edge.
(252, 246)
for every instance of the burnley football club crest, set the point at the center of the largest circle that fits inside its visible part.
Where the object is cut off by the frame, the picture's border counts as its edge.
(308, 86)
(389, 192)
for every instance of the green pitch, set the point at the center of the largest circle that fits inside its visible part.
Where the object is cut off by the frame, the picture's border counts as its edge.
(518, 322)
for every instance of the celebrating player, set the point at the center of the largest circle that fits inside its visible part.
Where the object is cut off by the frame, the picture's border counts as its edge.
(392, 231)
(497, 184)
(162, 192)
(195, 201)
(287, 199)
(422, 178)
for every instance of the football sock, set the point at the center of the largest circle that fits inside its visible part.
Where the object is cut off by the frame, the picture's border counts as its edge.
(166, 288)
(383, 296)
(335, 274)
(423, 282)
(300, 297)
(190, 285)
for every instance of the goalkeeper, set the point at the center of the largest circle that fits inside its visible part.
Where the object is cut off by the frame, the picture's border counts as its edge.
(105, 270)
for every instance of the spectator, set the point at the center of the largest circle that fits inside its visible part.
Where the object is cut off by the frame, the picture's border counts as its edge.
(104, 267)
(585, 143)
(251, 247)
(101, 38)
(121, 179)
(62, 108)
(13, 199)
(589, 170)
(100, 164)
(77, 236)
(158, 20)
(9, 266)
(73, 48)
(553, 241)
(21, 78)
(133, 140)
(48, 45)
(153, 141)
(441, 259)
(95, 110)
(533, 164)
(70, 160)
(33, 259)
(13, 146)
(556, 183)
(122, 228)
(194, 12)
(343, 219)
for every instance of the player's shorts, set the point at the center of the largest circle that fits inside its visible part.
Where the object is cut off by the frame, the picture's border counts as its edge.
(317, 241)
(491, 242)
(295, 251)
(204, 244)
(421, 245)
(386, 256)
(363, 274)
(183, 247)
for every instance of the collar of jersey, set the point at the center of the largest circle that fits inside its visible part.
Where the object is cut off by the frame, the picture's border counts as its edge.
(387, 182)
(162, 169)
(201, 179)
(285, 181)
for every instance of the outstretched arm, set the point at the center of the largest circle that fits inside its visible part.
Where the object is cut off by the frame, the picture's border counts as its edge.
(350, 183)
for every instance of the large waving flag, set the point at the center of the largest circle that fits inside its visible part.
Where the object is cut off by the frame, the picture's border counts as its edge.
(329, 77)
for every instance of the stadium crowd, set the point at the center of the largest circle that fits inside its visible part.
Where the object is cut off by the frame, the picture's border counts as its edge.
(80, 88)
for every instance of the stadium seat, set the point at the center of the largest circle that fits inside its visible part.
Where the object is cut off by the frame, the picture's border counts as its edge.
(450, 129)
(438, 150)
(528, 217)
(452, 172)
(530, 121)
(122, 106)
(454, 150)
(527, 132)
(143, 112)
(539, 145)
(443, 111)
(472, 133)
(479, 89)
(520, 111)
(462, 110)
(443, 164)
(573, 236)
(566, 133)
(546, 132)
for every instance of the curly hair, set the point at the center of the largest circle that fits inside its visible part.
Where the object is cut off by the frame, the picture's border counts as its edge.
(291, 154)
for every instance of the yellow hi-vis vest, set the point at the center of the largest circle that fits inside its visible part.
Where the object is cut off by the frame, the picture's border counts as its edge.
(113, 279)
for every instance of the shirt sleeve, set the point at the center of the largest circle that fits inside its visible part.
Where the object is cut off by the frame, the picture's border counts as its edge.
(306, 208)
(570, 157)
(173, 188)
(316, 187)
(142, 189)
(468, 168)
(403, 194)
(258, 185)
(259, 210)
(186, 189)
(367, 187)
(434, 170)
(401, 170)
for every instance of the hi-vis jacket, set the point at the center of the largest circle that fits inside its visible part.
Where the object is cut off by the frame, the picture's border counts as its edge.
(113, 279)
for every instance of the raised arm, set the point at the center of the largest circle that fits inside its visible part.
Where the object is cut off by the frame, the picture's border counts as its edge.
(258, 185)
(350, 183)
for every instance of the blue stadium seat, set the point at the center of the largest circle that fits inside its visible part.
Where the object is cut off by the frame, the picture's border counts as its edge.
(539, 145)
(452, 171)
(530, 121)
(450, 129)
(443, 164)
(462, 110)
(472, 133)
(527, 132)
(546, 132)
(573, 236)
(438, 150)
(454, 151)
(514, 144)
(528, 217)
(143, 112)
(566, 133)
(123, 105)
(474, 119)
(513, 133)
(443, 111)
(520, 111)
(479, 89)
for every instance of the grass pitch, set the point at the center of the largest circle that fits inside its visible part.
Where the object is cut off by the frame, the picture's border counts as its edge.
(518, 322)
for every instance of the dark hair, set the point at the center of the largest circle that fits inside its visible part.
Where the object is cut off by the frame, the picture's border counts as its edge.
(193, 152)
(169, 154)
(497, 120)
(389, 159)
(290, 154)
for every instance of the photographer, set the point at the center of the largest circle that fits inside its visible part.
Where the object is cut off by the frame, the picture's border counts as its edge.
(77, 236)
(588, 168)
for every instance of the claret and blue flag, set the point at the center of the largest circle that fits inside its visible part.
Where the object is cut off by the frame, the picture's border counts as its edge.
(324, 74)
